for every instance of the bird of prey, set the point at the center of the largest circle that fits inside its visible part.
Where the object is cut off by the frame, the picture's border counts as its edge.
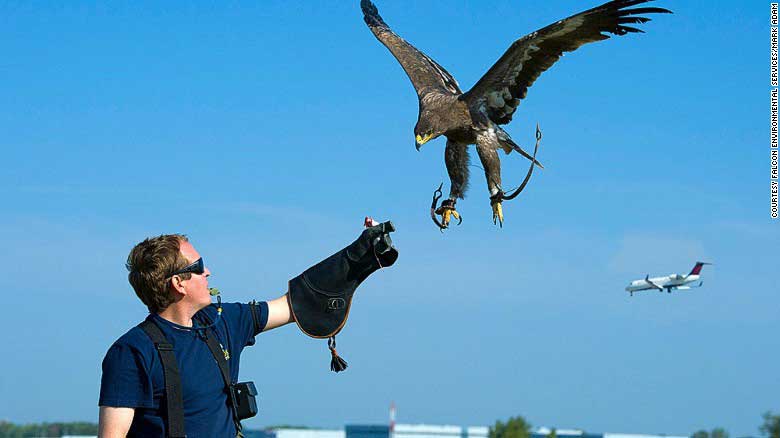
(476, 116)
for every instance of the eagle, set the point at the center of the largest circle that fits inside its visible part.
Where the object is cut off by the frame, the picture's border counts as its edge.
(475, 117)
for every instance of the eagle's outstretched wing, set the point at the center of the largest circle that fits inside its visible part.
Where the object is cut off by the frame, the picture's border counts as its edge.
(499, 91)
(426, 74)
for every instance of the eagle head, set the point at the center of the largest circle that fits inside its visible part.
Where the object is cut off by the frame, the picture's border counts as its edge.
(424, 132)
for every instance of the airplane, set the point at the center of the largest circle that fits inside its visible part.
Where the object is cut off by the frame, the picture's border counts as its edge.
(669, 282)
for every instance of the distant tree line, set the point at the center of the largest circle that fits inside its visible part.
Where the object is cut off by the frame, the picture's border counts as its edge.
(770, 429)
(771, 426)
(514, 427)
(518, 427)
(11, 430)
(718, 432)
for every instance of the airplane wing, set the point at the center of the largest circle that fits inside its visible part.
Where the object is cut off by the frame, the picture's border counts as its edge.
(647, 279)
(690, 287)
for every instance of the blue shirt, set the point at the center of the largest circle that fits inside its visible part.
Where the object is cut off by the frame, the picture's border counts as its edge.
(133, 373)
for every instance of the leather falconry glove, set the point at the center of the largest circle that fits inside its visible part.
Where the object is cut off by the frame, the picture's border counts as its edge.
(320, 298)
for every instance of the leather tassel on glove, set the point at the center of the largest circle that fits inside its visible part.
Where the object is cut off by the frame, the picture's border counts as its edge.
(337, 364)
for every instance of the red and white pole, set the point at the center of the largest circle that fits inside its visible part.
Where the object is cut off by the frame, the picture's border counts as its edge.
(392, 419)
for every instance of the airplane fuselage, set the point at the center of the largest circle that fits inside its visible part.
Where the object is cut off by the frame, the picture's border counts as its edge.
(672, 281)
(669, 282)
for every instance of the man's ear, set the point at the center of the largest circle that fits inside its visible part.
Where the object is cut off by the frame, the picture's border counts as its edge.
(177, 286)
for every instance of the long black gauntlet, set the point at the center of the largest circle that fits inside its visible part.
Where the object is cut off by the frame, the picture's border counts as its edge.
(320, 298)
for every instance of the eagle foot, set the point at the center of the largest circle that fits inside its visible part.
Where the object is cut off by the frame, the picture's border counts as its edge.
(446, 210)
(498, 212)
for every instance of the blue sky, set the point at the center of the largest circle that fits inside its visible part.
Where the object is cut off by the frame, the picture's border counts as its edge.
(267, 130)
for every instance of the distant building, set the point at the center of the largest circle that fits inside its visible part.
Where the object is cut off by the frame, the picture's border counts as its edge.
(430, 431)
(414, 431)
(288, 432)
(367, 431)
(544, 432)
(634, 435)
(309, 433)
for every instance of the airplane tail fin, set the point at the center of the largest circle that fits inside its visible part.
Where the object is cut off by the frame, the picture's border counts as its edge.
(697, 268)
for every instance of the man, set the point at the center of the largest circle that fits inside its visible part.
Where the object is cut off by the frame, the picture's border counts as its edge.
(169, 276)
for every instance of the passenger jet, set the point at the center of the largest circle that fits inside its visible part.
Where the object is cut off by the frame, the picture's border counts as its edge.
(669, 282)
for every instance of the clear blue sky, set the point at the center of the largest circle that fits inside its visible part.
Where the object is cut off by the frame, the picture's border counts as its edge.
(267, 130)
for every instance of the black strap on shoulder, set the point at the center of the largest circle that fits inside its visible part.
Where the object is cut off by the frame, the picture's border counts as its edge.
(255, 319)
(219, 357)
(173, 393)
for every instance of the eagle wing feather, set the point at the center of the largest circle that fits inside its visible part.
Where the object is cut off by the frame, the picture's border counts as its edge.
(500, 90)
(425, 73)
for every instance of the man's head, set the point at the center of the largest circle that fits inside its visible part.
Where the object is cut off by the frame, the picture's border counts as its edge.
(154, 266)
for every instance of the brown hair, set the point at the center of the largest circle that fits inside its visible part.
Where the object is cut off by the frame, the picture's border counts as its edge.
(151, 263)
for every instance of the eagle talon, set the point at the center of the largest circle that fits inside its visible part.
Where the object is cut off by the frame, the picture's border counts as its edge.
(447, 211)
(498, 212)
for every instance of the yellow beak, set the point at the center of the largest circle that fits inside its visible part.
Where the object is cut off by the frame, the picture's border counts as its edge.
(422, 140)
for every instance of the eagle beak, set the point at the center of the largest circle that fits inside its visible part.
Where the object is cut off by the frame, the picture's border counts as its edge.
(420, 140)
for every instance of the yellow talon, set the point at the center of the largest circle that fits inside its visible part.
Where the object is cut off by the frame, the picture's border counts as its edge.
(498, 213)
(447, 211)
(447, 214)
(445, 217)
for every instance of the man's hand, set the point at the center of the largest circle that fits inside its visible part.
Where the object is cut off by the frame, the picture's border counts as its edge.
(114, 422)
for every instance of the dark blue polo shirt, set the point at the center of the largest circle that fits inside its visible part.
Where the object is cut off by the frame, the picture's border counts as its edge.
(133, 373)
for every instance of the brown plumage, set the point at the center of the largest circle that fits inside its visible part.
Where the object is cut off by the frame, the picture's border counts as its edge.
(474, 117)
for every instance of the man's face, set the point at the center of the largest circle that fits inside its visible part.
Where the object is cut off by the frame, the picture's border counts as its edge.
(197, 286)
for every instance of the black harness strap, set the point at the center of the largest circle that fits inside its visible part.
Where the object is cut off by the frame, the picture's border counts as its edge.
(253, 311)
(173, 392)
(219, 357)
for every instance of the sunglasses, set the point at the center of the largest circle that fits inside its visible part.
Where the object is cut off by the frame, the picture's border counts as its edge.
(195, 267)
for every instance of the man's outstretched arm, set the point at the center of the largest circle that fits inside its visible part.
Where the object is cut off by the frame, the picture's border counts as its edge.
(114, 422)
(278, 313)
